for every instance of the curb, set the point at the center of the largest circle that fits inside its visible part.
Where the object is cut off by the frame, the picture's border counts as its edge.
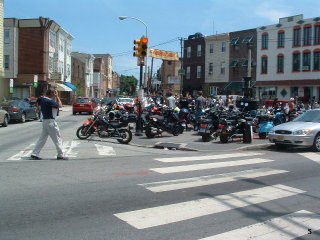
(255, 147)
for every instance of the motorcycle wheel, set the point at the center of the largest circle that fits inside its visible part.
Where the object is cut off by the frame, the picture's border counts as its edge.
(224, 138)
(126, 136)
(263, 135)
(176, 131)
(206, 138)
(83, 132)
(148, 133)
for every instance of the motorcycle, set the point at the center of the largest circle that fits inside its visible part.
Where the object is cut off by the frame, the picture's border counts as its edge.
(236, 126)
(209, 126)
(169, 122)
(264, 125)
(117, 128)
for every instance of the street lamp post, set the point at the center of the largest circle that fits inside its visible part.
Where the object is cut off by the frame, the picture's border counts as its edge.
(139, 120)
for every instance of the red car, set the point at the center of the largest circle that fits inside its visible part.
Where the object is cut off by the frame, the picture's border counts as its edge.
(84, 104)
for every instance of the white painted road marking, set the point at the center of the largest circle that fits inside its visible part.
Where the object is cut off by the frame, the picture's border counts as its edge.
(68, 148)
(204, 166)
(105, 150)
(286, 227)
(209, 180)
(312, 156)
(22, 154)
(157, 216)
(209, 157)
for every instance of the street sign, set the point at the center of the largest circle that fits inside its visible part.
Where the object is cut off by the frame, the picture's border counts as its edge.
(11, 85)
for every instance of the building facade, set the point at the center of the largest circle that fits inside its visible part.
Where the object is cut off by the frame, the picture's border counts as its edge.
(169, 76)
(216, 63)
(194, 63)
(289, 59)
(4, 85)
(107, 77)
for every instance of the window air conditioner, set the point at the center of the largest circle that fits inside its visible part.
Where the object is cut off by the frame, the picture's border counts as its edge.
(305, 68)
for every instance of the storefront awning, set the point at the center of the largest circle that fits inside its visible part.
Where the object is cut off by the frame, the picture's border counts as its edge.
(62, 87)
(70, 85)
(233, 86)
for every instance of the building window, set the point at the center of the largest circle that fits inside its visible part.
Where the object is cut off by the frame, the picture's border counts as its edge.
(7, 36)
(280, 64)
(248, 39)
(265, 40)
(6, 62)
(223, 68)
(188, 73)
(211, 47)
(199, 51)
(234, 63)
(198, 71)
(307, 35)
(210, 68)
(235, 41)
(317, 34)
(264, 64)
(306, 61)
(296, 61)
(281, 39)
(316, 60)
(297, 37)
(223, 46)
(188, 52)
(52, 39)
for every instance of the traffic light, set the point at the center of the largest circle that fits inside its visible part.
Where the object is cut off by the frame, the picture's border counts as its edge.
(141, 48)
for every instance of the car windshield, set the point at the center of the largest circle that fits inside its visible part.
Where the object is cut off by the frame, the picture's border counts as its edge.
(82, 100)
(310, 116)
(9, 103)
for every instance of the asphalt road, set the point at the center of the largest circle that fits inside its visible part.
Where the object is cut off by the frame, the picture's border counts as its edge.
(112, 191)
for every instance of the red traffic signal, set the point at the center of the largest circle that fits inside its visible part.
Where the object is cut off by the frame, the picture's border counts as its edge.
(141, 47)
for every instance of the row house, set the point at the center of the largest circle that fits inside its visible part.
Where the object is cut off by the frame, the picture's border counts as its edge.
(194, 64)
(37, 50)
(289, 59)
(169, 76)
(216, 63)
(86, 81)
(109, 87)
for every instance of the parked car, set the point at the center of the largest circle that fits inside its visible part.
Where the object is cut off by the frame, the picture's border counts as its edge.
(20, 110)
(83, 104)
(4, 117)
(303, 131)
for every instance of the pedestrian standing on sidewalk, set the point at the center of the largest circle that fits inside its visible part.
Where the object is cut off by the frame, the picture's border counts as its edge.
(50, 108)
(200, 105)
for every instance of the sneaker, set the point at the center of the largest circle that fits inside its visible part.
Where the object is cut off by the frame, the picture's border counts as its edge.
(34, 157)
(62, 158)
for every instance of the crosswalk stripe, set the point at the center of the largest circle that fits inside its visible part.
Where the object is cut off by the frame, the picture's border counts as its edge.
(105, 150)
(24, 153)
(209, 180)
(68, 148)
(287, 227)
(204, 166)
(161, 215)
(312, 156)
(210, 157)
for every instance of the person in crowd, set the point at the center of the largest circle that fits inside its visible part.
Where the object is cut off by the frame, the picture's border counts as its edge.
(184, 102)
(171, 101)
(275, 103)
(50, 108)
(200, 105)
(291, 105)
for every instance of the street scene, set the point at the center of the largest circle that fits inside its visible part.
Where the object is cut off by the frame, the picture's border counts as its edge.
(123, 124)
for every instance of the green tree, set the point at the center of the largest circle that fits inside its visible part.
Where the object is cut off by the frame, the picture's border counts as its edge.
(128, 85)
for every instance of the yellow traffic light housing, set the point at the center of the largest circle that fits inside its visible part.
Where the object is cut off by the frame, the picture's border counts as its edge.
(141, 48)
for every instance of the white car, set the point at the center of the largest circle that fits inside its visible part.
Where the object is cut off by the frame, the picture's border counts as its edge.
(303, 131)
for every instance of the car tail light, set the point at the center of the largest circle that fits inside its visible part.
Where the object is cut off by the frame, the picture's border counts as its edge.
(14, 109)
(221, 126)
(203, 125)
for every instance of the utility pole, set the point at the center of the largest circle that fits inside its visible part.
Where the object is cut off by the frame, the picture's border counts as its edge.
(181, 71)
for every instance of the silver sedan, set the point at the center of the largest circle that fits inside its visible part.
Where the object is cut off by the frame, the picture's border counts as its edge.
(303, 131)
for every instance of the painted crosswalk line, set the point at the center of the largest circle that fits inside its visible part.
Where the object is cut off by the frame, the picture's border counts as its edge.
(68, 148)
(105, 150)
(205, 166)
(208, 157)
(22, 154)
(312, 156)
(287, 227)
(171, 185)
(161, 215)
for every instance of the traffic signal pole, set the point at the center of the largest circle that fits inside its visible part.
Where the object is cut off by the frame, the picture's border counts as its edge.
(140, 95)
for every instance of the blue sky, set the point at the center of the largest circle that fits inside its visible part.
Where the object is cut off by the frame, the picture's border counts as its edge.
(97, 28)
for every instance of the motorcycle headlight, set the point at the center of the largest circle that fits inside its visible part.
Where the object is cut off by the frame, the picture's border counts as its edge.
(302, 132)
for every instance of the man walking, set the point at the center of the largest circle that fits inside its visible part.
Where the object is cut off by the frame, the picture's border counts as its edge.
(49, 108)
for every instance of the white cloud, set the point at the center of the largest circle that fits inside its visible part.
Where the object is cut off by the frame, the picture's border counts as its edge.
(271, 12)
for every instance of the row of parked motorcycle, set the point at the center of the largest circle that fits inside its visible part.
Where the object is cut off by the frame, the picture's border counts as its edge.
(110, 121)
